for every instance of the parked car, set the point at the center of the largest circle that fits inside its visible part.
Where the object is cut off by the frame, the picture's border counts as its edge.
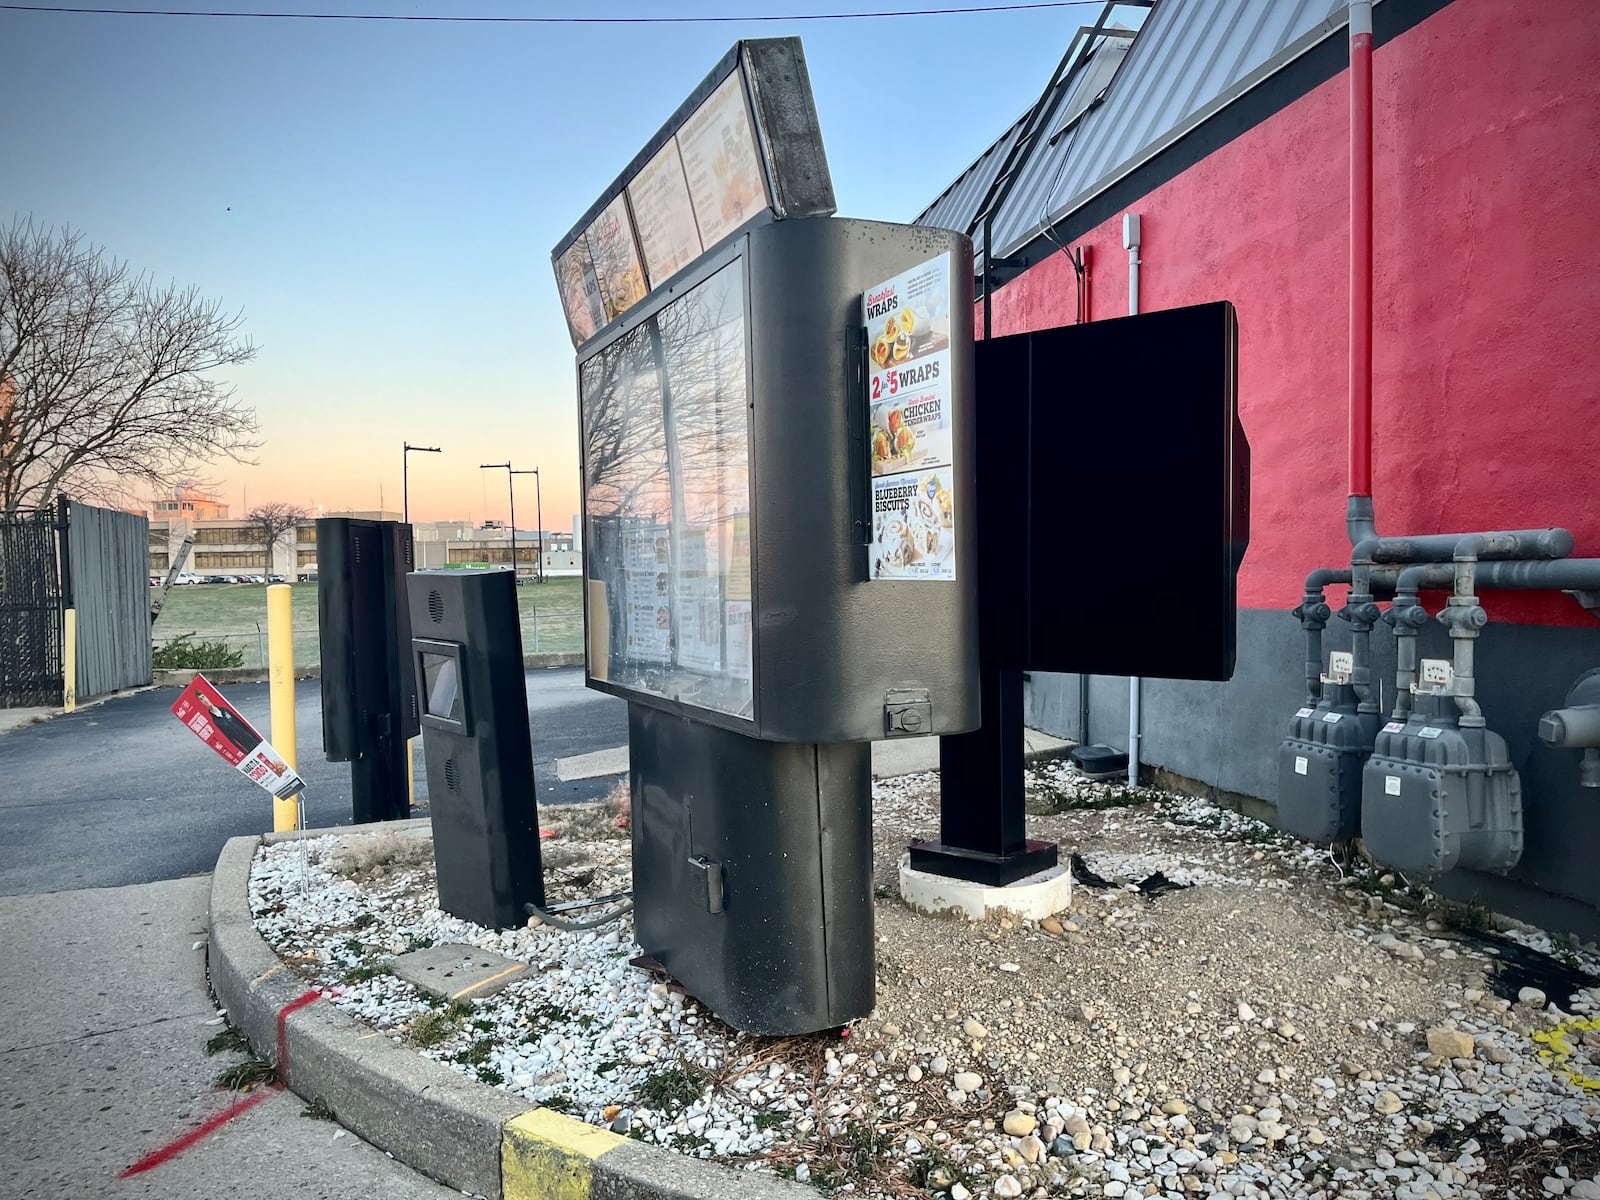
(217, 579)
(187, 577)
(276, 579)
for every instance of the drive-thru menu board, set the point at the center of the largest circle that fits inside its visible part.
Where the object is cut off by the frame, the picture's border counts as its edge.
(667, 503)
(907, 322)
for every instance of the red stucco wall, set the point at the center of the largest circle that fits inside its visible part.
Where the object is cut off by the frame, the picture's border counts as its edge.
(1487, 307)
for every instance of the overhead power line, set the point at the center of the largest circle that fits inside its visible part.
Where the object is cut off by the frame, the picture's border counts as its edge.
(447, 18)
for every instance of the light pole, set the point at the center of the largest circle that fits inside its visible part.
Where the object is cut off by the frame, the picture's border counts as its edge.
(511, 491)
(405, 474)
(538, 504)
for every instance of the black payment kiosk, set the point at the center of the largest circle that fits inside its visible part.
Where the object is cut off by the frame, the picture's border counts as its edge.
(467, 651)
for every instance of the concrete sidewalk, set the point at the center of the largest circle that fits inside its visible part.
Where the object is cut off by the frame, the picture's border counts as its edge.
(16, 718)
(102, 1063)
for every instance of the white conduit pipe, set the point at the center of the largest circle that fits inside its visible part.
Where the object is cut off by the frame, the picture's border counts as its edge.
(1130, 242)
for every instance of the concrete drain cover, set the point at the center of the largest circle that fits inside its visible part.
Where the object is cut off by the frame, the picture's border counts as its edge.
(457, 972)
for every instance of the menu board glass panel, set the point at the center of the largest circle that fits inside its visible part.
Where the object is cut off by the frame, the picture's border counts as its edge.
(664, 215)
(616, 259)
(721, 163)
(580, 292)
(667, 503)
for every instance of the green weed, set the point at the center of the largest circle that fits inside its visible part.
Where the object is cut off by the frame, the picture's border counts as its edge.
(241, 1077)
(366, 971)
(225, 1040)
(673, 1089)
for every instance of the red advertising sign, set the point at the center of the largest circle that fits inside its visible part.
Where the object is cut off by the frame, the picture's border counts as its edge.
(218, 724)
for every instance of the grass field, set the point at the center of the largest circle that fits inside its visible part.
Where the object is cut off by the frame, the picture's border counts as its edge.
(236, 613)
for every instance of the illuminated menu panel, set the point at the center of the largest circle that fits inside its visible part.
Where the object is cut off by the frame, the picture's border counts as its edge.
(721, 164)
(664, 214)
(616, 260)
(580, 291)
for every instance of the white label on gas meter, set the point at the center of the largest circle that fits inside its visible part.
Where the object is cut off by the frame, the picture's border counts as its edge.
(1300, 764)
(1394, 727)
(1340, 665)
(1436, 672)
(1391, 785)
(1302, 712)
(1332, 718)
(1429, 732)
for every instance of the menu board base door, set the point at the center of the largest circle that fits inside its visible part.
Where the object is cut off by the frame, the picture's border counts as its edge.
(752, 867)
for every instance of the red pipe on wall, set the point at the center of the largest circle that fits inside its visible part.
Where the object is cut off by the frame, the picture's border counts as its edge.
(1361, 247)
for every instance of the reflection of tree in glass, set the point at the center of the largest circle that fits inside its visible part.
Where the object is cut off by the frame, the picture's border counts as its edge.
(702, 338)
(625, 454)
(616, 262)
(666, 450)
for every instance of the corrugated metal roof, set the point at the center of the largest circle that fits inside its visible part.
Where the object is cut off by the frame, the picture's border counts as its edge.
(957, 206)
(958, 203)
(1190, 59)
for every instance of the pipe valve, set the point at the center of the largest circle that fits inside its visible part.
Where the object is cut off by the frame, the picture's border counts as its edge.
(1463, 619)
(1577, 726)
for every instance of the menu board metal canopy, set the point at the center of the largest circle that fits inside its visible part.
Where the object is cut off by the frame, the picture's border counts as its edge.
(744, 148)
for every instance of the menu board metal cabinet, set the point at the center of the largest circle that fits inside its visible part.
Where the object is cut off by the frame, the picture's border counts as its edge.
(769, 547)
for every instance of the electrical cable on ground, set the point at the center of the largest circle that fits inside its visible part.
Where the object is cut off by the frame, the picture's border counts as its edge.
(567, 926)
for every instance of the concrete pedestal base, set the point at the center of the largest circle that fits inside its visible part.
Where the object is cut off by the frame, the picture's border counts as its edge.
(1031, 898)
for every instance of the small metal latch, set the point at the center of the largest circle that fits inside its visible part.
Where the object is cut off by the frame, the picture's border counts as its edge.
(710, 871)
(907, 712)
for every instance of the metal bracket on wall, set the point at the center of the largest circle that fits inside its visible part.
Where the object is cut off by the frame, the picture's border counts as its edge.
(1589, 599)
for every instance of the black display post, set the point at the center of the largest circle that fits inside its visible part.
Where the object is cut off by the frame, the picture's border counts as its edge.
(369, 689)
(981, 802)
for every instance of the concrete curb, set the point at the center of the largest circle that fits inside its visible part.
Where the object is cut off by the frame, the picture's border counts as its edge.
(531, 662)
(470, 1136)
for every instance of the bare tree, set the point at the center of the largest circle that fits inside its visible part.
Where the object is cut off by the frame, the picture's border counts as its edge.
(270, 524)
(105, 380)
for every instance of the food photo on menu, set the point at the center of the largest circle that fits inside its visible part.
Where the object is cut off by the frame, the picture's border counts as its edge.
(913, 526)
(911, 431)
(907, 334)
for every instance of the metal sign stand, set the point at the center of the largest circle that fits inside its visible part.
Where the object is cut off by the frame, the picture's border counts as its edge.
(981, 799)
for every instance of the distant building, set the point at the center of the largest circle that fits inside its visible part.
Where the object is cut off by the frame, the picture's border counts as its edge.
(232, 546)
(188, 503)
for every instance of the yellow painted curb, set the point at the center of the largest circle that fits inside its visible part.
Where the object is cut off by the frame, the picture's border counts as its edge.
(547, 1156)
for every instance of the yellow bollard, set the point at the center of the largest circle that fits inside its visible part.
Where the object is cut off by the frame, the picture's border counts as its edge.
(280, 652)
(411, 776)
(69, 661)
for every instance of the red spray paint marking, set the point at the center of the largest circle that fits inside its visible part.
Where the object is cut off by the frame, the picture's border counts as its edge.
(293, 1006)
(174, 1148)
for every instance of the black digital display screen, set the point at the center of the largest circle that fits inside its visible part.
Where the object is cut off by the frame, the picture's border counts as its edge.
(441, 686)
(1115, 510)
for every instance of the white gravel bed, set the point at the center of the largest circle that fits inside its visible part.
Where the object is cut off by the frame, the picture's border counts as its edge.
(1283, 1026)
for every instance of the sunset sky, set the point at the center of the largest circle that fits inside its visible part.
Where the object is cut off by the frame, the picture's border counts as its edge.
(380, 199)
